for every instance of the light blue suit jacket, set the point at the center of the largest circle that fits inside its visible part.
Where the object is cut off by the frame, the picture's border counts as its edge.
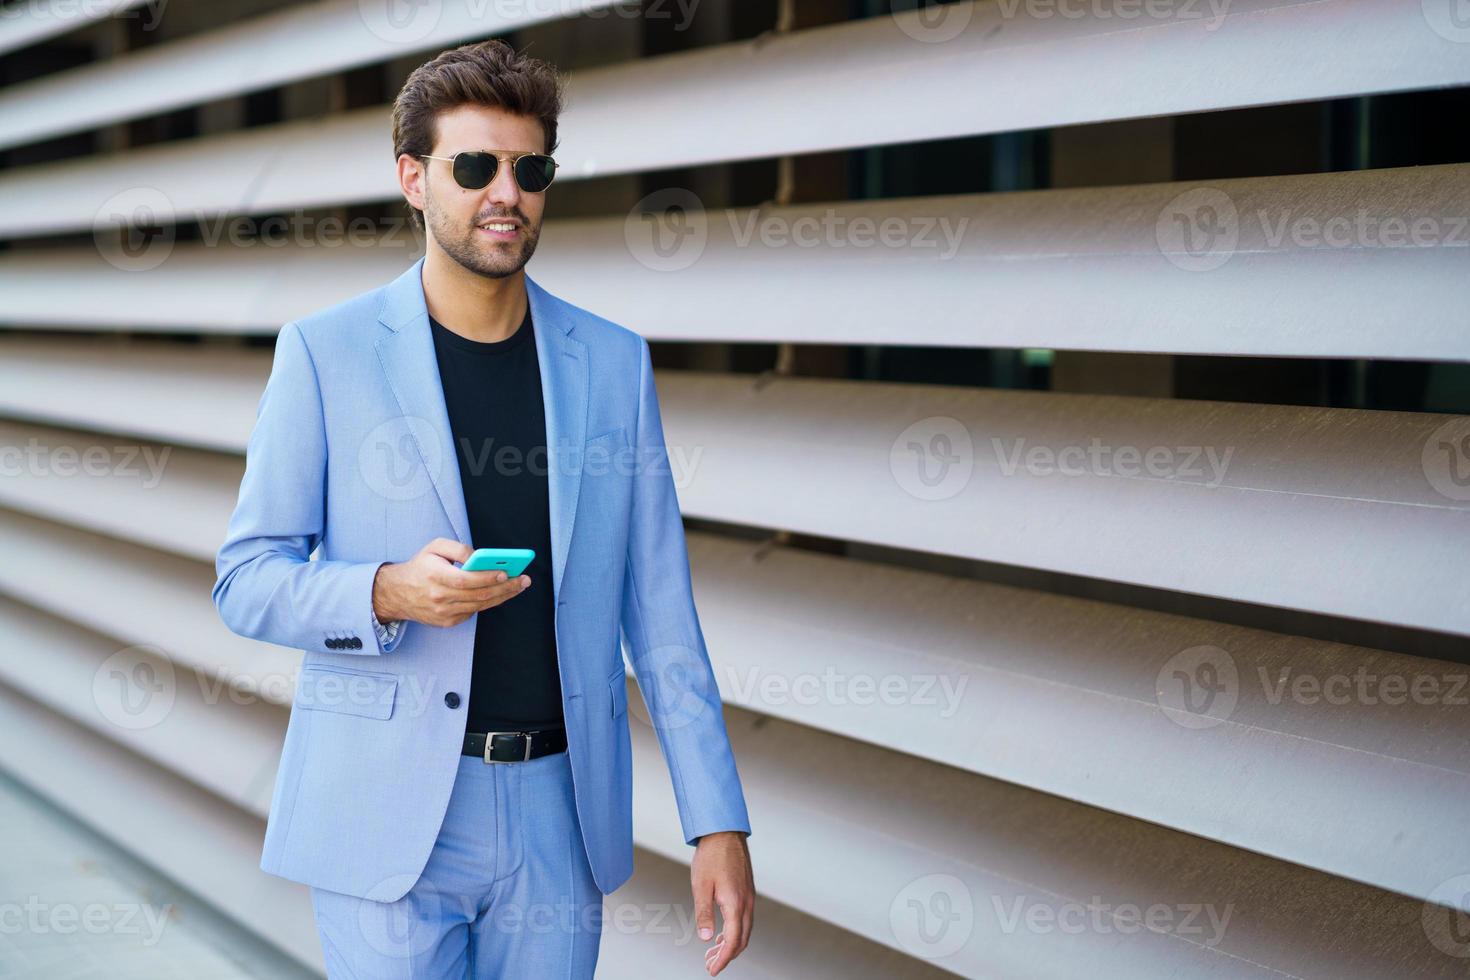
(352, 452)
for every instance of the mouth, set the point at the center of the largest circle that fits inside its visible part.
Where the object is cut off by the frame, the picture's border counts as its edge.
(501, 231)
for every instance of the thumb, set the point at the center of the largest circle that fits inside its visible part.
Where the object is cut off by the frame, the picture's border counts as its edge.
(448, 549)
(704, 910)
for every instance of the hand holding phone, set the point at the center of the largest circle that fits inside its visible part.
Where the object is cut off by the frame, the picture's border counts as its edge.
(430, 589)
(511, 561)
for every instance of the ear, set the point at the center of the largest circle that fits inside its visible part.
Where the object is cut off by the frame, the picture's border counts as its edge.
(413, 179)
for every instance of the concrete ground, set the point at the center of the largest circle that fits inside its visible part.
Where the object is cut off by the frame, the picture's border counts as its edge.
(74, 906)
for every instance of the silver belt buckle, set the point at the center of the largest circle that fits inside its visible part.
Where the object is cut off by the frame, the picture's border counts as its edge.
(490, 744)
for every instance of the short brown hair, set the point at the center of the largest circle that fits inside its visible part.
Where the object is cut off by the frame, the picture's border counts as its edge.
(486, 73)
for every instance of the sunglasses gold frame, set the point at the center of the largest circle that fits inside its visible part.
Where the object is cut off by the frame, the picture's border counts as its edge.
(500, 158)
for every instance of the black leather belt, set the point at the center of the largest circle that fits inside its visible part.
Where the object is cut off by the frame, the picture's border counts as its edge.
(514, 746)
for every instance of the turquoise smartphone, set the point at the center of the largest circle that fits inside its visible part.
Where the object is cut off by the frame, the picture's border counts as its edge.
(511, 561)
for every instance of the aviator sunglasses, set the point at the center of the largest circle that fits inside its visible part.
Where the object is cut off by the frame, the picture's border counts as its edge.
(473, 169)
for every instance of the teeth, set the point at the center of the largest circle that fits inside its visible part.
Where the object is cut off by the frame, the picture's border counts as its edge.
(499, 227)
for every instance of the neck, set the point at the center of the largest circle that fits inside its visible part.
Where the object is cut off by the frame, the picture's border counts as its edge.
(478, 307)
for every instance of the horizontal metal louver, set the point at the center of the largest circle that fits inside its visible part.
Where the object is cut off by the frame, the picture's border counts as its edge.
(912, 734)
(1328, 265)
(857, 79)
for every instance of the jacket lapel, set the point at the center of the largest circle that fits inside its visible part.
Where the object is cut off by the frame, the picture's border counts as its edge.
(407, 356)
(564, 390)
(408, 359)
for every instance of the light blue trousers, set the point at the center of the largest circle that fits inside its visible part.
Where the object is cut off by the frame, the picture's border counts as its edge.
(507, 891)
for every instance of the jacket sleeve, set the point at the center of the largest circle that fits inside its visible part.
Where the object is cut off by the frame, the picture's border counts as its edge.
(666, 645)
(267, 587)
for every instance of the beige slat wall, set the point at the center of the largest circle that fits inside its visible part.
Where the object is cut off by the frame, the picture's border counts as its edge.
(1051, 764)
(1075, 269)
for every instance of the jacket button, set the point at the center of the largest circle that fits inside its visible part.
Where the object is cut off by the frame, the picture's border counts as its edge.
(452, 699)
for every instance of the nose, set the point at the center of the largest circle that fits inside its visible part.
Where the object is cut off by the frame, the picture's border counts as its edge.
(504, 189)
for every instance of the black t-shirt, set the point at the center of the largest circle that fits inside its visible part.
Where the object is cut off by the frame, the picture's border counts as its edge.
(492, 392)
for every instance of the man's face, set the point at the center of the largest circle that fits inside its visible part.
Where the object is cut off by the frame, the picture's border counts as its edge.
(456, 218)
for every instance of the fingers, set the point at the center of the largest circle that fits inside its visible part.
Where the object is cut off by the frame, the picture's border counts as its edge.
(732, 938)
(450, 595)
(704, 922)
(704, 910)
(458, 578)
(506, 591)
(448, 549)
(451, 598)
(497, 594)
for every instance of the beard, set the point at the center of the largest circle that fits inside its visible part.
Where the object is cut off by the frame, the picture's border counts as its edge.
(484, 257)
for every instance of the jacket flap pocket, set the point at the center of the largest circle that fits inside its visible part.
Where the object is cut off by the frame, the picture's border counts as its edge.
(617, 686)
(367, 694)
(612, 437)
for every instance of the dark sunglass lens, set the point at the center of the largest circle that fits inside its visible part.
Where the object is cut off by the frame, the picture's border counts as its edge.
(534, 172)
(474, 170)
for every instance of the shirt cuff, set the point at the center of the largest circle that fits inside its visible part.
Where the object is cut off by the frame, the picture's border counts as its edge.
(387, 632)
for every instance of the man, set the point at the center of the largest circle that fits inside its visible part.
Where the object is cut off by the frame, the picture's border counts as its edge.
(455, 784)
